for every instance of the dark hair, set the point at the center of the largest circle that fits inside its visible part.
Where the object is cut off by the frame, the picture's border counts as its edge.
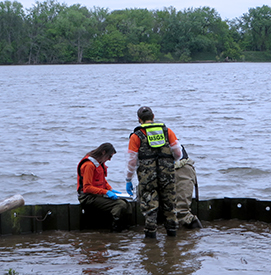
(104, 149)
(145, 113)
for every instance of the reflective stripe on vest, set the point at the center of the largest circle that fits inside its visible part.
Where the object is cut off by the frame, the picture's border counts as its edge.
(155, 134)
(79, 176)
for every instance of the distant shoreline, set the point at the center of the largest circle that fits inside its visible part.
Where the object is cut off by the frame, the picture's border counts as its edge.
(248, 56)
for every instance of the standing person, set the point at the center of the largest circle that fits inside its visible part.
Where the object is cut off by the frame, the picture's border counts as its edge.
(185, 179)
(154, 147)
(93, 188)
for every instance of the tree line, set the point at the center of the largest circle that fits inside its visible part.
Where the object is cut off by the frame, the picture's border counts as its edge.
(51, 33)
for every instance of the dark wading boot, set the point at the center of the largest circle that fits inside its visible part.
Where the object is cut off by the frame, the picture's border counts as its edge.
(116, 225)
(150, 234)
(172, 232)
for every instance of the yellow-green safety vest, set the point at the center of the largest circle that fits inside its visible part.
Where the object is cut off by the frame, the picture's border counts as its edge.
(155, 134)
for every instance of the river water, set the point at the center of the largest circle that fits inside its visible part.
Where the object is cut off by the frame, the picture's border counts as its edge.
(52, 115)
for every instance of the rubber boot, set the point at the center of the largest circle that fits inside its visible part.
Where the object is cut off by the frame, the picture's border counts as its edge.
(116, 225)
(150, 234)
(171, 232)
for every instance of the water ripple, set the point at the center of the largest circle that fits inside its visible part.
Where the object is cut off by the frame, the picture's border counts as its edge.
(58, 113)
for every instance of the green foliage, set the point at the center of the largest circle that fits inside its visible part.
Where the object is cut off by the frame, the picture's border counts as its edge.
(12, 32)
(11, 272)
(42, 32)
(73, 30)
(253, 56)
(256, 28)
(135, 24)
(50, 32)
(185, 56)
(143, 52)
(204, 56)
(167, 57)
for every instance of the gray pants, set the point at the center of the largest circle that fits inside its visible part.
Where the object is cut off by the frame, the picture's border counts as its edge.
(185, 179)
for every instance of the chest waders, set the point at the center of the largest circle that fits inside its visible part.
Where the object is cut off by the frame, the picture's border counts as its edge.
(156, 176)
(155, 145)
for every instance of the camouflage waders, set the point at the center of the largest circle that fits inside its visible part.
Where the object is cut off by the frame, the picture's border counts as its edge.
(156, 184)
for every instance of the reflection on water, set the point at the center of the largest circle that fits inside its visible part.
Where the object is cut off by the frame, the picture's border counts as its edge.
(221, 247)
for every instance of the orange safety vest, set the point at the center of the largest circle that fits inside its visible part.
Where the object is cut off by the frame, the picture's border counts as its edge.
(99, 174)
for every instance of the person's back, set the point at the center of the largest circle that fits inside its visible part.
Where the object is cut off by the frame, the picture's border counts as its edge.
(151, 144)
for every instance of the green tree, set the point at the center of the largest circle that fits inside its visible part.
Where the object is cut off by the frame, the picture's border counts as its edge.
(143, 52)
(74, 28)
(121, 28)
(257, 26)
(41, 32)
(136, 24)
(185, 33)
(95, 51)
(51, 32)
(199, 30)
(12, 33)
(167, 27)
(114, 43)
(136, 29)
(108, 47)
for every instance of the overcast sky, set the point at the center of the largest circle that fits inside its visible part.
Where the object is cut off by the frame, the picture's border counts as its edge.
(227, 9)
